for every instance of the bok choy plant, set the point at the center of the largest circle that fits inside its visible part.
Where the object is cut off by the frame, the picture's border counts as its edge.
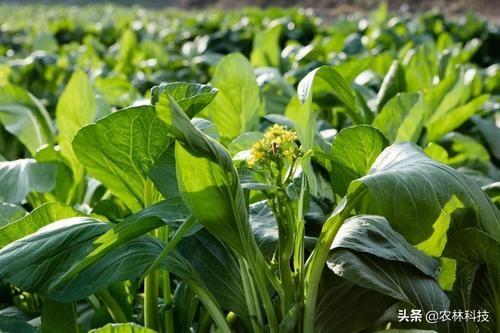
(230, 207)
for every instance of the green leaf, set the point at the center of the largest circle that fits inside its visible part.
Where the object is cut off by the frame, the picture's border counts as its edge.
(264, 227)
(127, 262)
(75, 109)
(266, 51)
(478, 257)
(219, 269)
(465, 151)
(19, 178)
(24, 116)
(38, 218)
(411, 190)
(122, 328)
(420, 67)
(191, 97)
(435, 244)
(116, 91)
(14, 325)
(490, 133)
(373, 235)
(401, 118)
(163, 175)
(235, 109)
(394, 83)
(171, 212)
(243, 142)
(438, 126)
(396, 279)
(32, 263)
(354, 150)
(338, 299)
(128, 46)
(10, 212)
(58, 317)
(120, 149)
(205, 170)
(327, 79)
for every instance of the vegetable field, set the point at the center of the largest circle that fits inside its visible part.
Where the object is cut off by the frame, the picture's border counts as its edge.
(260, 170)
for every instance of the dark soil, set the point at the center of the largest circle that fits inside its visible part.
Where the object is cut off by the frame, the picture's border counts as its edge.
(325, 8)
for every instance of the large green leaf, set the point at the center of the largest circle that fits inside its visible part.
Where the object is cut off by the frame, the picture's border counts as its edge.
(14, 325)
(401, 119)
(171, 212)
(219, 269)
(191, 97)
(120, 149)
(58, 317)
(205, 170)
(163, 175)
(19, 178)
(122, 328)
(235, 109)
(24, 116)
(38, 218)
(371, 234)
(411, 190)
(266, 46)
(394, 83)
(75, 109)
(33, 262)
(369, 253)
(354, 150)
(344, 307)
(478, 257)
(396, 279)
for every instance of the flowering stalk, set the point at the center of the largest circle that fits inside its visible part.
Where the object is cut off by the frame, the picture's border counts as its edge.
(275, 157)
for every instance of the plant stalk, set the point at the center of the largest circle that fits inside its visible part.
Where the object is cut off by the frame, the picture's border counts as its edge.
(315, 264)
(167, 292)
(113, 307)
(151, 318)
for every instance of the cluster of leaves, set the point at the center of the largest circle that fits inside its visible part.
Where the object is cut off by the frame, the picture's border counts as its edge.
(313, 177)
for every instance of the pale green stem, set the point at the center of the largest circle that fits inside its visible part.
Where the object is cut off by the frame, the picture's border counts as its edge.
(167, 293)
(113, 307)
(319, 256)
(212, 308)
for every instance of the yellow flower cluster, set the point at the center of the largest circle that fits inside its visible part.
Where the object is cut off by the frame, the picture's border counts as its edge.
(278, 144)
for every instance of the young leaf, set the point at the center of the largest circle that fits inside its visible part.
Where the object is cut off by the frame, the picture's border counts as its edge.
(205, 170)
(191, 97)
(354, 150)
(394, 83)
(266, 50)
(235, 109)
(402, 117)
(75, 109)
(438, 126)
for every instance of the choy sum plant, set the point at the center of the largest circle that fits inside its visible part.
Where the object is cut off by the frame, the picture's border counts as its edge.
(216, 208)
